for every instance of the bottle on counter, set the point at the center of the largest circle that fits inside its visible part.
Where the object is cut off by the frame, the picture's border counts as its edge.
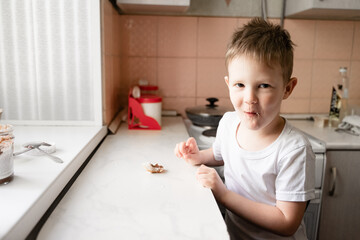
(343, 87)
(339, 99)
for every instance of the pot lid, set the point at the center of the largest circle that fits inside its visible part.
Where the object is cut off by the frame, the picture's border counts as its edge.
(210, 109)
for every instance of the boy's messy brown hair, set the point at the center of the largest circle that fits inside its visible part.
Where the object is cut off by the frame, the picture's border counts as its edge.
(264, 41)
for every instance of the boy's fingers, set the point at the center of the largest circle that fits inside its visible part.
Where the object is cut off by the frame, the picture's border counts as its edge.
(191, 143)
(203, 181)
(182, 148)
(203, 169)
(177, 152)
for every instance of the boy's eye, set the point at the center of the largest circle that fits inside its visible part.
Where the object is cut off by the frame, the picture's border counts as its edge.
(239, 85)
(264, 85)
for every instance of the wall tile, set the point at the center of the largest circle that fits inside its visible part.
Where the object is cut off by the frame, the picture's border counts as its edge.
(214, 35)
(177, 37)
(106, 7)
(124, 81)
(325, 75)
(240, 23)
(354, 91)
(178, 103)
(303, 36)
(116, 82)
(116, 34)
(176, 77)
(320, 105)
(210, 78)
(136, 68)
(333, 40)
(223, 102)
(303, 72)
(108, 89)
(356, 44)
(295, 105)
(140, 36)
(355, 106)
(107, 34)
(184, 56)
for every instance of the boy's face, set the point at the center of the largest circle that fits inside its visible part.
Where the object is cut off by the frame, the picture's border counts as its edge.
(256, 91)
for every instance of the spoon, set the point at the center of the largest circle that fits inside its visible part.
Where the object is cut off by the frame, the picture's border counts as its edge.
(31, 146)
(56, 159)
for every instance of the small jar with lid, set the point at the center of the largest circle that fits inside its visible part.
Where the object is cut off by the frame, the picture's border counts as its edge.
(151, 105)
(6, 153)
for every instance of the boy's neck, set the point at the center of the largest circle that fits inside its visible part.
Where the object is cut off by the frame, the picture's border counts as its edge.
(255, 140)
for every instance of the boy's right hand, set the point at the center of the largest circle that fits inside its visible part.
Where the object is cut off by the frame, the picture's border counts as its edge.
(188, 151)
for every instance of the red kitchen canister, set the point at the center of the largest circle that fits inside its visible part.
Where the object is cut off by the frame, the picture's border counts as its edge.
(151, 105)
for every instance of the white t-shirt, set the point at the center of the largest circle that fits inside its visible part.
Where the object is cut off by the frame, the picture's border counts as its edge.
(284, 170)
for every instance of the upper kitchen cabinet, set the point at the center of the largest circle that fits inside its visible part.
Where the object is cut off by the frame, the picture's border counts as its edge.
(153, 6)
(208, 8)
(323, 9)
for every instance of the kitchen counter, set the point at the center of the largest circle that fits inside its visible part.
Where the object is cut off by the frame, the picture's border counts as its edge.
(116, 198)
(37, 179)
(332, 139)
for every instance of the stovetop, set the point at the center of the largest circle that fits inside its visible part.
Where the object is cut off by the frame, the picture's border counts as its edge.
(203, 142)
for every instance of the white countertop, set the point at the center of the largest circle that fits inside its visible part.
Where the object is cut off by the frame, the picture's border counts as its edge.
(116, 198)
(333, 140)
(37, 179)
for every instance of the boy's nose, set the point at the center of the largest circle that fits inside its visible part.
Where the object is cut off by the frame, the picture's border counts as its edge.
(250, 97)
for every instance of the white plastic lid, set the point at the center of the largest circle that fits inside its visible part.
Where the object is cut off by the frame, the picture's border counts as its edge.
(343, 69)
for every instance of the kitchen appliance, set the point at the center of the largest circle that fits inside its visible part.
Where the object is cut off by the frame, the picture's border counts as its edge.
(208, 115)
(312, 214)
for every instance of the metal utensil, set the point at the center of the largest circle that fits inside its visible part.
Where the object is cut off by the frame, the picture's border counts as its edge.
(31, 146)
(56, 159)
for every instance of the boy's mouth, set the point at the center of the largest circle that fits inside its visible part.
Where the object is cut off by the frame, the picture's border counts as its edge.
(252, 114)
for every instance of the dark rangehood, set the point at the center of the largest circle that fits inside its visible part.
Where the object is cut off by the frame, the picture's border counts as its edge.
(208, 115)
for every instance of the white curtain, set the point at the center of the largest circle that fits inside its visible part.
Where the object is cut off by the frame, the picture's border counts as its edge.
(46, 60)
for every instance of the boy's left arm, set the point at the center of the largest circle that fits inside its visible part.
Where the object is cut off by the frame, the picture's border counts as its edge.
(283, 219)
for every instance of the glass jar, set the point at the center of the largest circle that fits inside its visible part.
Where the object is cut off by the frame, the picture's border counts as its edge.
(6, 153)
(344, 89)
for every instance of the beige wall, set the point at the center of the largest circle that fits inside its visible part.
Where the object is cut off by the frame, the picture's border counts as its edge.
(111, 58)
(184, 56)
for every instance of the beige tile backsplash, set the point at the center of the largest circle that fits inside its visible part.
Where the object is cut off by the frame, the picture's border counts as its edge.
(177, 37)
(184, 56)
(213, 36)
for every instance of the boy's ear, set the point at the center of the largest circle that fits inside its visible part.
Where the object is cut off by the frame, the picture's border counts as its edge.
(226, 80)
(290, 87)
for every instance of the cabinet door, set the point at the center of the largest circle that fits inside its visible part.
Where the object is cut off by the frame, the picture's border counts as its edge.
(340, 211)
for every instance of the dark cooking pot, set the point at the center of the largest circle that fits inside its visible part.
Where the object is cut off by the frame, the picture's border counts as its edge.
(208, 115)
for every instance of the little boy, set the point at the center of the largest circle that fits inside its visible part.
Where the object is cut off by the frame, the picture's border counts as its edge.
(268, 164)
